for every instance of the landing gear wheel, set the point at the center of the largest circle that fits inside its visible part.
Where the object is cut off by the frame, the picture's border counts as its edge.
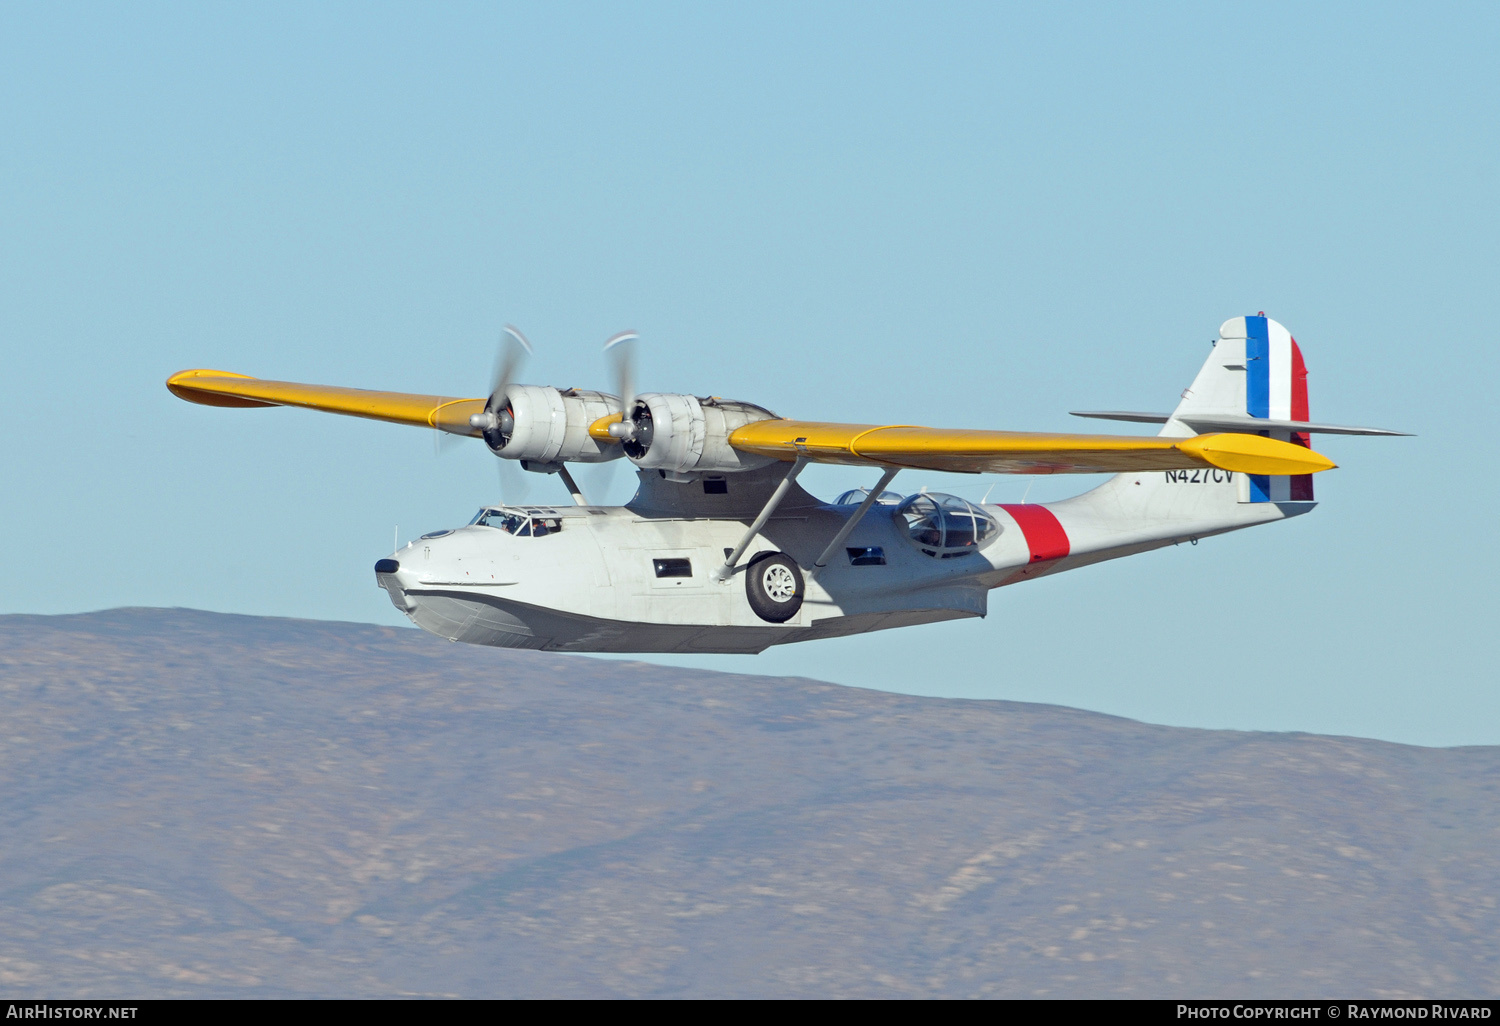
(773, 584)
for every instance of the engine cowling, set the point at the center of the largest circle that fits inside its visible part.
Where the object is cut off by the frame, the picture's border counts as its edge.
(546, 425)
(683, 434)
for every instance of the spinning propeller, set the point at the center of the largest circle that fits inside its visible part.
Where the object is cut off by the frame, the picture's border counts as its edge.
(621, 350)
(498, 421)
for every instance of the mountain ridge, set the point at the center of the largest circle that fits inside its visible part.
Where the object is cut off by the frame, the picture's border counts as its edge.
(215, 804)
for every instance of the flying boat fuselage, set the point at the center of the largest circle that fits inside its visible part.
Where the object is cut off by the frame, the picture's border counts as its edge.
(606, 578)
(642, 578)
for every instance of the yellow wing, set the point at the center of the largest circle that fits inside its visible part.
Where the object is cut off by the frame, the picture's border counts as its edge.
(1019, 452)
(221, 388)
(992, 452)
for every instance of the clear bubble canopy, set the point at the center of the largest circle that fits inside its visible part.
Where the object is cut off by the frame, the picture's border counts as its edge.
(854, 496)
(944, 526)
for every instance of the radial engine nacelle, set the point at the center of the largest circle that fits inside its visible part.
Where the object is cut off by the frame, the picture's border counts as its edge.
(683, 434)
(546, 425)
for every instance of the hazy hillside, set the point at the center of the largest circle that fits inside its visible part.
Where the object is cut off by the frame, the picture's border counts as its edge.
(200, 804)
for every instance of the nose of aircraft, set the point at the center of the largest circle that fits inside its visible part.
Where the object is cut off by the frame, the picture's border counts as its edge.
(388, 575)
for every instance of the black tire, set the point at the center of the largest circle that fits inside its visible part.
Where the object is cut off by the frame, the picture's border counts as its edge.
(773, 584)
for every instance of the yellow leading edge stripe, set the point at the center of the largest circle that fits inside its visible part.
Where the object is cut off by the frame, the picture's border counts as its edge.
(991, 452)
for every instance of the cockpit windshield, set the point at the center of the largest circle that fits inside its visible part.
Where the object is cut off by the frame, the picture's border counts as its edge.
(518, 522)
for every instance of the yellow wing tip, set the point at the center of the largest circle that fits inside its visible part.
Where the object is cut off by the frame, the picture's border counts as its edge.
(1255, 454)
(189, 385)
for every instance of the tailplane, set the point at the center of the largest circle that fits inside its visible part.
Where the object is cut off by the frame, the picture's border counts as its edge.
(1255, 372)
(1254, 382)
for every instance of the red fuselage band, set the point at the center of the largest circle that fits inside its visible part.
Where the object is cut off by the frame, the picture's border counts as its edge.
(1045, 537)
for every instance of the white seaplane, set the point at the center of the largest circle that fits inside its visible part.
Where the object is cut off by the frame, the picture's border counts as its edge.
(721, 551)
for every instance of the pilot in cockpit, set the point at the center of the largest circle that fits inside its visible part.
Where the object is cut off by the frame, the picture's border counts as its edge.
(517, 524)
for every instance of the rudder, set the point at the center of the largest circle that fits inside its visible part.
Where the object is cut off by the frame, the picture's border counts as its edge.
(1255, 370)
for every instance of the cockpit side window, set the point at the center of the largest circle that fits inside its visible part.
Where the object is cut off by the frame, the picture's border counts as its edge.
(499, 519)
(519, 524)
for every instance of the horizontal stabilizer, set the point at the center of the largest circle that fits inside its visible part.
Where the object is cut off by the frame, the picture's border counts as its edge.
(1125, 415)
(1228, 422)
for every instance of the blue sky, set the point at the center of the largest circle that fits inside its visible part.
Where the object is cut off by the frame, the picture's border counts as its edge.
(971, 216)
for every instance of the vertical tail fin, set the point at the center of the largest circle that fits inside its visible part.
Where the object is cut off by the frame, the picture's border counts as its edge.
(1256, 370)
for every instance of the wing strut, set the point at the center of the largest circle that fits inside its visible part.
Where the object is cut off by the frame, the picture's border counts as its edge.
(573, 489)
(726, 571)
(859, 514)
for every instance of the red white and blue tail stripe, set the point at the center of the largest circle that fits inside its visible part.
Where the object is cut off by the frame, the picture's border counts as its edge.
(1276, 389)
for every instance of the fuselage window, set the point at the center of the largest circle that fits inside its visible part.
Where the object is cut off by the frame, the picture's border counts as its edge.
(866, 555)
(673, 567)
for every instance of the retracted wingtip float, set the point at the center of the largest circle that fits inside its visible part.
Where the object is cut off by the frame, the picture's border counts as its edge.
(717, 501)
